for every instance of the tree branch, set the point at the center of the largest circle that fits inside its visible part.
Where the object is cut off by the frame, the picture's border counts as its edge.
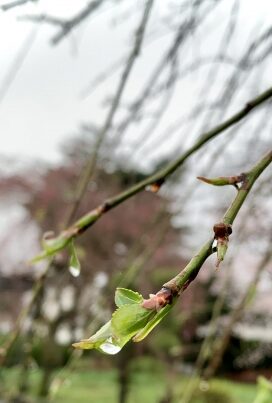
(183, 279)
(60, 242)
(16, 3)
(66, 26)
(137, 318)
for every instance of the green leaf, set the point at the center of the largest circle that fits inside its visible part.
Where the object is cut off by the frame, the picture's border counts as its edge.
(74, 264)
(129, 319)
(221, 181)
(124, 296)
(97, 339)
(53, 245)
(152, 323)
(104, 341)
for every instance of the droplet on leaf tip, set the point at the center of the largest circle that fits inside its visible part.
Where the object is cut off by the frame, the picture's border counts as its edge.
(109, 348)
(75, 271)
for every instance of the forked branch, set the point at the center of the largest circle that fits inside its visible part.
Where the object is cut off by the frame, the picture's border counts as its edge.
(136, 317)
(53, 245)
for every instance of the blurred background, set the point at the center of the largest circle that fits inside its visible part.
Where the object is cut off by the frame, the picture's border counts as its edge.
(95, 96)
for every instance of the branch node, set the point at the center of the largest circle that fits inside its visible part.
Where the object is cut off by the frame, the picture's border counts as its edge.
(221, 230)
(105, 206)
(249, 106)
(160, 300)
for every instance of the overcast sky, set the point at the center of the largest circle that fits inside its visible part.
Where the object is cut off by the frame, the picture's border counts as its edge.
(42, 106)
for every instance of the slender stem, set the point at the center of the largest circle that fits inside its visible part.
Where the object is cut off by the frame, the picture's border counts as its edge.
(135, 51)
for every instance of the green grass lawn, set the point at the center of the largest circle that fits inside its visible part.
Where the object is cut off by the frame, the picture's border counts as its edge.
(100, 386)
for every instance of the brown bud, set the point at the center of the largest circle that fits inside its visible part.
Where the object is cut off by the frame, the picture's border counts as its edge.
(222, 230)
(159, 300)
(103, 208)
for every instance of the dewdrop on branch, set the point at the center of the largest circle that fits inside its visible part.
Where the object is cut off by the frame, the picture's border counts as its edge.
(155, 187)
(74, 263)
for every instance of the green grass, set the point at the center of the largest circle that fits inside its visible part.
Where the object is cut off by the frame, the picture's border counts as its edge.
(100, 386)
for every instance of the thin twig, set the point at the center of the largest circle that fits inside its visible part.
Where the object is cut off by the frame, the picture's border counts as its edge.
(87, 171)
(16, 3)
(179, 40)
(66, 26)
(17, 63)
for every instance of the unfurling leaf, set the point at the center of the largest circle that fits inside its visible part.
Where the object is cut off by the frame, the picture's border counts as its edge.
(152, 323)
(123, 296)
(51, 246)
(103, 340)
(97, 339)
(128, 320)
(222, 180)
(74, 264)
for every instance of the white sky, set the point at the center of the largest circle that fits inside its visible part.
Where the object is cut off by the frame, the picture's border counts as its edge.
(42, 107)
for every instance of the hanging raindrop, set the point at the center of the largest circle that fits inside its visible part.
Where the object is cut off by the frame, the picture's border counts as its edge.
(74, 266)
(109, 348)
(75, 271)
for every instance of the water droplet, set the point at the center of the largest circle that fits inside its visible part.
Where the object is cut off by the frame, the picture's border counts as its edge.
(74, 264)
(109, 348)
(75, 271)
(155, 187)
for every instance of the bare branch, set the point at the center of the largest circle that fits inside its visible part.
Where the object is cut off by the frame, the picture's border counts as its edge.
(139, 35)
(16, 3)
(17, 63)
(157, 178)
(66, 26)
